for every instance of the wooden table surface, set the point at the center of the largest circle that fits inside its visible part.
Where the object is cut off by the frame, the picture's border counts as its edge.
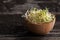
(10, 21)
(26, 35)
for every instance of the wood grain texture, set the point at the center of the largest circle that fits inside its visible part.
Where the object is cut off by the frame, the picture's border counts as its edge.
(11, 26)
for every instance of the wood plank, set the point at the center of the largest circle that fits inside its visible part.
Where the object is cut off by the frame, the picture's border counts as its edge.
(30, 38)
(56, 13)
(20, 13)
(44, 2)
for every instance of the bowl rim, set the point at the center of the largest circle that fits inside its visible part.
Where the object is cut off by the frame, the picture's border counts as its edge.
(41, 22)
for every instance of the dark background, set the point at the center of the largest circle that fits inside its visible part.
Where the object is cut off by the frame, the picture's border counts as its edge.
(11, 11)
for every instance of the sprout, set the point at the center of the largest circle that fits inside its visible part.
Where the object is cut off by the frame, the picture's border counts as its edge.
(39, 15)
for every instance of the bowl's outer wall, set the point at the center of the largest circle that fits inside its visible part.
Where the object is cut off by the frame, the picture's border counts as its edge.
(43, 28)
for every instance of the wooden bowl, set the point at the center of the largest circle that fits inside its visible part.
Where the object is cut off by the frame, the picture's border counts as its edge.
(41, 28)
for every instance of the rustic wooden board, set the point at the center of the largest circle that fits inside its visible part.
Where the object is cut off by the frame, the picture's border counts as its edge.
(30, 38)
(11, 26)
